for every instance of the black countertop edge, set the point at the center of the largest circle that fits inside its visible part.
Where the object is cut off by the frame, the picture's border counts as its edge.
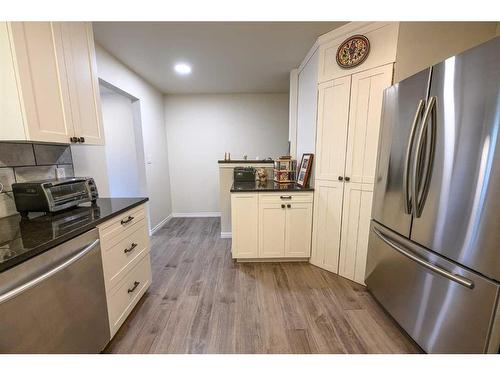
(32, 252)
(248, 161)
(268, 187)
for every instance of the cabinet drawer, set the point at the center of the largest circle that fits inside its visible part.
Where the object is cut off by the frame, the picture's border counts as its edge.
(113, 231)
(285, 197)
(127, 293)
(120, 258)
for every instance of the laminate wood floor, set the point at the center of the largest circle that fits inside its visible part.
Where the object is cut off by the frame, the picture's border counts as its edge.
(201, 301)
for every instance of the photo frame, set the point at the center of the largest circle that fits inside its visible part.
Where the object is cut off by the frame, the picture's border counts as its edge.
(304, 170)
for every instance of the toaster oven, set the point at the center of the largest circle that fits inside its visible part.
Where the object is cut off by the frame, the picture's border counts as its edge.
(53, 195)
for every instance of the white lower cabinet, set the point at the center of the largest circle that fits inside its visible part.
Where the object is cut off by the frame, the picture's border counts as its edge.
(125, 257)
(271, 225)
(355, 231)
(327, 224)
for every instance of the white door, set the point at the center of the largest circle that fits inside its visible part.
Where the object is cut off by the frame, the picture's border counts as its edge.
(79, 53)
(367, 89)
(43, 81)
(272, 222)
(355, 230)
(298, 230)
(332, 124)
(327, 224)
(244, 221)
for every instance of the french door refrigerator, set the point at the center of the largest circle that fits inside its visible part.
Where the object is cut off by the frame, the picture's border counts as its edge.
(434, 248)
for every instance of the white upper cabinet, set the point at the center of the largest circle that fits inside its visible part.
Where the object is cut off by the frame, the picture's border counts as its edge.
(38, 52)
(383, 38)
(332, 125)
(79, 55)
(367, 89)
(11, 112)
(49, 75)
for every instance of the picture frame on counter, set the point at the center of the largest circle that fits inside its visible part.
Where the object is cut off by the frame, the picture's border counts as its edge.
(305, 170)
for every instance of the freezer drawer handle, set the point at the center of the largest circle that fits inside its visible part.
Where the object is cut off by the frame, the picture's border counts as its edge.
(30, 284)
(456, 278)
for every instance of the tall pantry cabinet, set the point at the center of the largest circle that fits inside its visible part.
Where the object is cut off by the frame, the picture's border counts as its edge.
(348, 122)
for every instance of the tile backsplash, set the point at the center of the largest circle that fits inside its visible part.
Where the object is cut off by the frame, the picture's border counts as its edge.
(21, 162)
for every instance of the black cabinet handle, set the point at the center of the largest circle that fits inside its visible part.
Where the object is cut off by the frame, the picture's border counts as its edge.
(348, 179)
(282, 206)
(73, 139)
(289, 206)
(131, 248)
(136, 284)
(127, 220)
(340, 178)
(286, 197)
(81, 139)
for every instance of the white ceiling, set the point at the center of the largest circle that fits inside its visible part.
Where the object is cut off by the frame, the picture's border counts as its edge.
(226, 57)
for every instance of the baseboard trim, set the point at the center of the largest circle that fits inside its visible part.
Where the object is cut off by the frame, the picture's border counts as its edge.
(196, 214)
(160, 224)
(226, 235)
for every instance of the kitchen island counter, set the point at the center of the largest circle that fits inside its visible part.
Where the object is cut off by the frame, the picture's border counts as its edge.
(268, 186)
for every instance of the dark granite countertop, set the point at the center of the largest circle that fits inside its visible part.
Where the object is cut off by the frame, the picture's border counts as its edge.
(22, 239)
(249, 161)
(270, 186)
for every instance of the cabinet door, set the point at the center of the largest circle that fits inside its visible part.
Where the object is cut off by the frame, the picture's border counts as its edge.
(11, 113)
(327, 224)
(79, 55)
(244, 223)
(331, 136)
(367, 89)
(298, 230)
(272, 219)
(43, 82)
(355, 230)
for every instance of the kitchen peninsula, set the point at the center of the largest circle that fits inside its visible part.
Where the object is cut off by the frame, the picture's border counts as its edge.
(271, 221)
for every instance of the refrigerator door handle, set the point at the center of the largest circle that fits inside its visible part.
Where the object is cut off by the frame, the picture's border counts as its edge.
(440, 271)
(406, 175)
(415, 182)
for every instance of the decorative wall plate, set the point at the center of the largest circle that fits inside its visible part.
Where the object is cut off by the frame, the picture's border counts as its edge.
(353, 51)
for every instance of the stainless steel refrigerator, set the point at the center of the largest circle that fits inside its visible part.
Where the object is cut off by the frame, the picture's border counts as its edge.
(434, 247)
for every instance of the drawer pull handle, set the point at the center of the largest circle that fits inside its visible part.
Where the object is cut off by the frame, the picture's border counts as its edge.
(127, 220)
(136, 284)
(131, 248)
(289, 206)
(282, 206)
(286, 197)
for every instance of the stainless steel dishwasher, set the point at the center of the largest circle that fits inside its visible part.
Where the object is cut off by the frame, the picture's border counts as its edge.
(56, 301)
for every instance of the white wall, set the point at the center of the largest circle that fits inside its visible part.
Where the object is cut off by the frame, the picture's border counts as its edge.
(152, 119)
(307, 106)
(124, 158)
(200, 128)
(422, 44)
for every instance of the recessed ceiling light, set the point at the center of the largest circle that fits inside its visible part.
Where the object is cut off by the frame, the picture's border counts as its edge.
(182, 68)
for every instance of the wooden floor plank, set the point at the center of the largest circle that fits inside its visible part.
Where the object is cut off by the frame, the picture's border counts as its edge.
(201, 301)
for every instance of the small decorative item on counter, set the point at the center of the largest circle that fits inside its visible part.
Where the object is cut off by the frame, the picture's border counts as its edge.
(284, 170)
(262, 174)
(227, 156)
(245, 157)
(305, 170)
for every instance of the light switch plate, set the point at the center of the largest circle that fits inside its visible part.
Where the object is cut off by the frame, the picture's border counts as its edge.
(60, 173)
